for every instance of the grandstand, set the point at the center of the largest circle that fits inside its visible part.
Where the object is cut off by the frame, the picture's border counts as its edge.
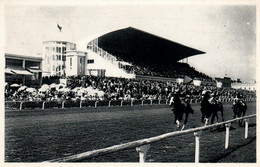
(141, 53)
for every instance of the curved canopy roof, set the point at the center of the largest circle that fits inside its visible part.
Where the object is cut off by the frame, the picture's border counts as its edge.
(131, 44)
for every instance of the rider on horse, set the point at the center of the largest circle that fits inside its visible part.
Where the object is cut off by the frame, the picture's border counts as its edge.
(206, 107)
(239, 106)
(181, 107)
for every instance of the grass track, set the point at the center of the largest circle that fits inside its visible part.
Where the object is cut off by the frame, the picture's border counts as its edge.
(38, 135)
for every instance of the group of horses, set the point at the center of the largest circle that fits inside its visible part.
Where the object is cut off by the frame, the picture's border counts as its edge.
(210, 107)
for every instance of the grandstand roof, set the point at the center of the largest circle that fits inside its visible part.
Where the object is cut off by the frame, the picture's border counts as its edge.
(131, 44)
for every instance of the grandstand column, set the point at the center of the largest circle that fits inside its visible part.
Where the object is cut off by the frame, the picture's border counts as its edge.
(122, 103)
(227, 135)
(142, 102)
(109, 103)
(197, 146)
(246, 128)
(96, 104)
(151, 102)
(166, 101)
(159, 102)
(142, 152)
(132, 102)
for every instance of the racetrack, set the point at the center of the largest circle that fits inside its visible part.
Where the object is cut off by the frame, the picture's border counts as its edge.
(39, 135)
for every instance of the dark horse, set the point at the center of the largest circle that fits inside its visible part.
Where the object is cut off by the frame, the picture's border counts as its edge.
(179, 108)
(239, 109)
(210, 108)
(216, 107)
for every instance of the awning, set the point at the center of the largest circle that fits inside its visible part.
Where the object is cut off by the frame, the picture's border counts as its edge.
(8, 71)
(21, 72)
(34, 70)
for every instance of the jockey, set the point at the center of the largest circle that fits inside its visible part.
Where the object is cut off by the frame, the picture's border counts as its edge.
(241, 100)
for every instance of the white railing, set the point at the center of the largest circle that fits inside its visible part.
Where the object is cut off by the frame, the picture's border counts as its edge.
(143, 145)
(61, 104)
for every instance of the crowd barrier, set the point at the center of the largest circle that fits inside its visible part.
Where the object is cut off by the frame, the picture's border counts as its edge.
(143, 145)
(92, 103)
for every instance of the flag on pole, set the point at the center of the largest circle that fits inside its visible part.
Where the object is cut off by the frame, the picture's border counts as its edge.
(59, 27)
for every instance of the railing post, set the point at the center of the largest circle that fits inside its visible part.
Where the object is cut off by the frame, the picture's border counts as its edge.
(142, 152)
(227, 135)
(96, 104)
(62, 104)
(246, 128)
(122, 103)
(151, 102)
(109, 103)
(197, 146)
(43, 105)
(142, 102)
(21, 105)
(80, 104)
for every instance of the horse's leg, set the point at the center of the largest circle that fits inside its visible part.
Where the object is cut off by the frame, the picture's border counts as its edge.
(186, 120)
(214, 114)
(203, 117)
(206, 120)
(222, 115)
(178, 123)
(217, 115)
(222, 112)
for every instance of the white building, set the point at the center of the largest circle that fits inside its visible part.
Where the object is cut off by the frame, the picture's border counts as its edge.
(76, 63)
(245, 86)
(101, 63)
(54, 57)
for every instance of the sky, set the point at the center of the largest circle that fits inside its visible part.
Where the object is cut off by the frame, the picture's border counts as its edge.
(227, 33)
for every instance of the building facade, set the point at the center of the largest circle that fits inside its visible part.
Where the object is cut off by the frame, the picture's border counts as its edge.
(245, 86)
(54, 57)
(76, 63)
(22, 69)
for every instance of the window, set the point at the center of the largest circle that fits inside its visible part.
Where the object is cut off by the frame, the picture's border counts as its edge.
(71, 61)
(53, 57)
(90, 61)
(63, 50)
(63, 58)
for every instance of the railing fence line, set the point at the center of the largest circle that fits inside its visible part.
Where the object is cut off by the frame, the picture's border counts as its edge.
(46, 104)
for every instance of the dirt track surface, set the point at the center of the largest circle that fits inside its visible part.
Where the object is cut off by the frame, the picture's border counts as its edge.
(39, 135)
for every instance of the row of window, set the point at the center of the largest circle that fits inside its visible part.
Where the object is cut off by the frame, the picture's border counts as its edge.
(58, 49)
(59, 57)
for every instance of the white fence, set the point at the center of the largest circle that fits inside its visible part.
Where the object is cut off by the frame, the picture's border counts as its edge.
(143, 145)
(92, 103)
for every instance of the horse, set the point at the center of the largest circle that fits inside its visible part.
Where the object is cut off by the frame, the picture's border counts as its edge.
(210, 108)
(179, 109)
(206, 108)
(216, 107)
(239, 109)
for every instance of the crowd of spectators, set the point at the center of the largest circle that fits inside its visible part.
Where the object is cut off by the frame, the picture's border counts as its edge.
(123, 89)
(175, 70)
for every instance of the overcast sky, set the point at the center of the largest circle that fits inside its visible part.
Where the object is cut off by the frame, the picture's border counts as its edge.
(226, 33)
